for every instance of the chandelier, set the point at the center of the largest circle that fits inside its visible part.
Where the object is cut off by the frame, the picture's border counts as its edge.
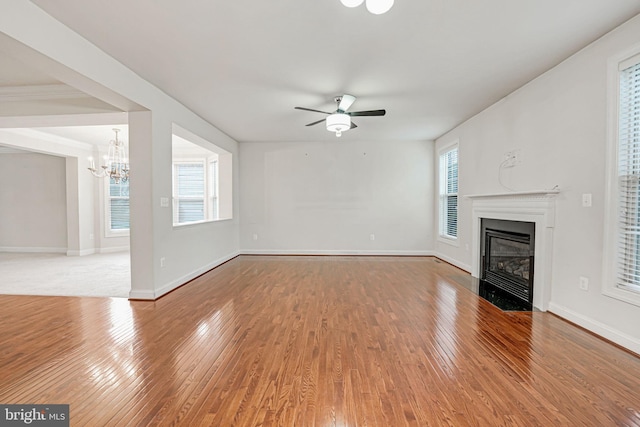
(116, 163)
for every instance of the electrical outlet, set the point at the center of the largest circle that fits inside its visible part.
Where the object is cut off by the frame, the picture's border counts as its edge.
(163, 262)
(584, 283)
(372, 237)
(255, 236)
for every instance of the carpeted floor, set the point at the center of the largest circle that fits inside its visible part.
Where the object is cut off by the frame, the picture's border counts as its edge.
(99, 275)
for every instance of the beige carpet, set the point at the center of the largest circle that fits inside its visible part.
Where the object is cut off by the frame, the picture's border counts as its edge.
(99, 275)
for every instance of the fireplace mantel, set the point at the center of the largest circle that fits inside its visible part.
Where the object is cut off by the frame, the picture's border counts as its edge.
(529, 206)
(515, 194)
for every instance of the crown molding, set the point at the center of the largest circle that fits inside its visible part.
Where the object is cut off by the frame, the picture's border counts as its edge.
(20, 136)
(39, 93)
(11, 150)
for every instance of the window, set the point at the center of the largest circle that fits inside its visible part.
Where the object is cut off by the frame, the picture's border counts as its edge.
(117, 218)
(202, 179)
(622, 268)
(195, 190)
(188, 192)
(449, 193)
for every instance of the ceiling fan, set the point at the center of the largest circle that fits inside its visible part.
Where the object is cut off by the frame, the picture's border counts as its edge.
(340, 120)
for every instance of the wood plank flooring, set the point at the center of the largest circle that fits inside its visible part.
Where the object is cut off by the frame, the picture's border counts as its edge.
(313, 341)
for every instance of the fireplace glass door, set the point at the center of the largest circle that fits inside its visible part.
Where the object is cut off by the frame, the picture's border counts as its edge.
(509, 258)
(509, 262)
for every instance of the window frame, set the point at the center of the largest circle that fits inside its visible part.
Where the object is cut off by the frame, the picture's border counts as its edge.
(213, 191)
(611, 258)
(443, 195)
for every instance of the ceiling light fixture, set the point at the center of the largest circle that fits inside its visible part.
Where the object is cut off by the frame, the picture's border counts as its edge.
(377, 7)
(116, 164)
(352, 3)
(338, 123)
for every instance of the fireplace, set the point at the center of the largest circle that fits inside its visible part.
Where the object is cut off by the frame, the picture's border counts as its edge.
(507, 261)
(537, 207)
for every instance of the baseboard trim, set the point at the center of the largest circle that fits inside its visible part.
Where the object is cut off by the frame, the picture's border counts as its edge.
(174, 284)
(456, 263)
(605, 331)
(92, 251)
(338, 252)
(142, 295)
(113, 249)
(42, 250)
(82, 252)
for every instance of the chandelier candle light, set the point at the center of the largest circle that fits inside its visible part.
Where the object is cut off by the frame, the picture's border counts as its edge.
(377, 7)
(116, 163)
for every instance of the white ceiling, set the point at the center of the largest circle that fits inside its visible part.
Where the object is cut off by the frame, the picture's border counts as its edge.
(16, 73)
(243, 65)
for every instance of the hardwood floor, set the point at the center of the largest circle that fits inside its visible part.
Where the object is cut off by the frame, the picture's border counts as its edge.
(312, 341)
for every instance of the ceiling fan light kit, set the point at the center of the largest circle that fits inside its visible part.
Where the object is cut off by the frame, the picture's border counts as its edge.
(338, 123)
(377, 7)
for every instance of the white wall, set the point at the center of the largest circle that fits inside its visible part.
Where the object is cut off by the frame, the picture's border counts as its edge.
(85, 194)
(33, 204)
(329, 197)
(34, 37)
(559, 122)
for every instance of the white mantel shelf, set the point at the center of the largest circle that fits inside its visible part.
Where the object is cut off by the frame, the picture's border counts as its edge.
(532, 193)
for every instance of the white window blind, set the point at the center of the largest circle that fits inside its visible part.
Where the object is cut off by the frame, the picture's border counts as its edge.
(189, 192)
(449, 193)
(118, 205)
(628, 271)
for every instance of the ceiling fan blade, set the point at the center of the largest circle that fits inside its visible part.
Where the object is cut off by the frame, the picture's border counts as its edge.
(353, 125)
(310, 109)
(315, 123)
(368, 113)
(346, 101)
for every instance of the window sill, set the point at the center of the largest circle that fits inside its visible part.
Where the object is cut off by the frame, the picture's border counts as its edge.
(206, 221)
(629, 297)
(114, 234)
(449, 240)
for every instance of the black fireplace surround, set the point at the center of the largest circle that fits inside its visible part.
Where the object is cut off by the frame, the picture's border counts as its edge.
(507, 255)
